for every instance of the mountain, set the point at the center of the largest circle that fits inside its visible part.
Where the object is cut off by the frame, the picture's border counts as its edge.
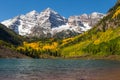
(49, 23)
(101, 41)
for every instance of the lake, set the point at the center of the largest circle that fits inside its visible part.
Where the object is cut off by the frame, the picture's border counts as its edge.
(59, 69)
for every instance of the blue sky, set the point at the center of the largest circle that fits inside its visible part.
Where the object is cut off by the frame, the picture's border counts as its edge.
(12, 8)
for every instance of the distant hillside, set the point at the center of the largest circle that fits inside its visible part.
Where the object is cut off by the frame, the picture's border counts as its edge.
(102, 40)
(8, 42)
(9, 36)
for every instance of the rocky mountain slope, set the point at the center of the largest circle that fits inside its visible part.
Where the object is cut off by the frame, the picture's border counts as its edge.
(101, 41)
(49, 23)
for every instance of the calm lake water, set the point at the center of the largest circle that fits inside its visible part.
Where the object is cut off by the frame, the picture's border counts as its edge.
(58, 69)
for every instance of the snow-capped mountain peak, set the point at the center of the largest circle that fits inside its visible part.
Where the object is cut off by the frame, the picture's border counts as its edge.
(96, 15)
(49, 23)
(49, 10)
(49, 16)
(32, 13)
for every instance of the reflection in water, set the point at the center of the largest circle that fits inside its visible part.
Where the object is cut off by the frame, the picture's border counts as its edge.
(46, 69)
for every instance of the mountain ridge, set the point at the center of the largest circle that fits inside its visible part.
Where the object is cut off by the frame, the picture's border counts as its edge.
(48, 23)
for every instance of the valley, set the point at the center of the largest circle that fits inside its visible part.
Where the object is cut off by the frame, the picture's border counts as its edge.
(49, 35)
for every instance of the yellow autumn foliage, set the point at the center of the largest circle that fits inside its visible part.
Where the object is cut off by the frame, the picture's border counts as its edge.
(20, 48)
(103, 37)
(52, 46)
(117, 12)
(39, 46)
(66, 41)
(97, 41)
(34, 45)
